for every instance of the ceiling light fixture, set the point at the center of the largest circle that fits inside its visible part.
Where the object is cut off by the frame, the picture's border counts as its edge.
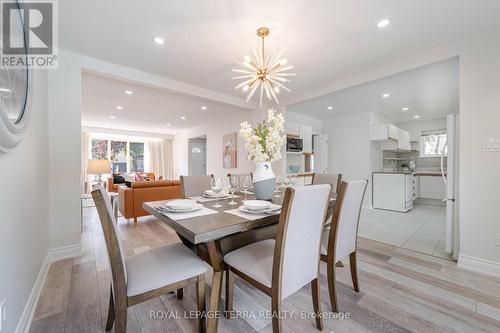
(112, 117)
(129, 92)
(5, 90)
(183, 118)
(119, 107)
(330, 108)
(159, 40)
(384, 23)
(385, 95)
(270, 74)
(405, 109)
(416, 116)
(203, 107)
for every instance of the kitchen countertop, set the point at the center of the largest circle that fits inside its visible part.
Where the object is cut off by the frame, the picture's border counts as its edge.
(415, 173)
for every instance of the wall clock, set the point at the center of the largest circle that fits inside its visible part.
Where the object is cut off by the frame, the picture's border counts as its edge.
(14, 92)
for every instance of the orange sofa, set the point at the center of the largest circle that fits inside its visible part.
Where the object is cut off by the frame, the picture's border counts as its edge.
(114, 187)
(130, 199)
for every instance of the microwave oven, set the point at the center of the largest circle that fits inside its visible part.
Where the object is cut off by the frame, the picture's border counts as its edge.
(294, 144)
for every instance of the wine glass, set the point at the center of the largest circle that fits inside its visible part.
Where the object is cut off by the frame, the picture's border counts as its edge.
(277, 185)
(294, 180)
(217, 188)
(246, 184)
(286, 182)
(233, 186)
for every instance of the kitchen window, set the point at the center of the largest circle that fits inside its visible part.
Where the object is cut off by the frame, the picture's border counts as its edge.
(433, 143)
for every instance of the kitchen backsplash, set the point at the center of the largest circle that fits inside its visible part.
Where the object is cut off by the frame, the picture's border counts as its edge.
(394, 161)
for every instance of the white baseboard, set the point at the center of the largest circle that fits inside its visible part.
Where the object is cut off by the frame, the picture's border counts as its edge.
(479, 265)
(53, 255)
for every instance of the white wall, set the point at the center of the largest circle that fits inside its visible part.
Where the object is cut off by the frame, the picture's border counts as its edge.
(214, 132)
(24, 236)
(316, 124)
(349, 147)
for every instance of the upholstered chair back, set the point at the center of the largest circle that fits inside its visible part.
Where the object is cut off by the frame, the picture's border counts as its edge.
(299, 236)
(333, 179)
(195, 185)
(109, 227)
(346, 216)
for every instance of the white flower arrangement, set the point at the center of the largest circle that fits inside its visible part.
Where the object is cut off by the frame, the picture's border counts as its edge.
(264, 142)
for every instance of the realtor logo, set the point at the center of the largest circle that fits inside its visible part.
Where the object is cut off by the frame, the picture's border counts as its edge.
(29, 34)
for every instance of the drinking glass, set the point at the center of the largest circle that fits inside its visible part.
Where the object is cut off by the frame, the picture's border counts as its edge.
(217, 188)
(294, 180)
(246, 184)
(286, 181)
(277, 186)
(233, 186)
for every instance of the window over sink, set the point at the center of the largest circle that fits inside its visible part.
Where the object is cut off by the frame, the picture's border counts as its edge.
(433, 143)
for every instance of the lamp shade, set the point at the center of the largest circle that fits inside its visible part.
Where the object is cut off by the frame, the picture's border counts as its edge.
(98, 167)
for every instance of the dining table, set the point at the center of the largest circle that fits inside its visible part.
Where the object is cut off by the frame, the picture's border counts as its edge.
(223, 230)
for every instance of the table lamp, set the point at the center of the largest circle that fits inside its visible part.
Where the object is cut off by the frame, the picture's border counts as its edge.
(98, 167)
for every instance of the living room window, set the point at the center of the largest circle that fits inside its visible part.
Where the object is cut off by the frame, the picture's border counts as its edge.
(125, 156)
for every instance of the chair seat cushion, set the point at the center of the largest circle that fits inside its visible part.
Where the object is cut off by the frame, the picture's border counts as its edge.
(160, 267)
(254, 260)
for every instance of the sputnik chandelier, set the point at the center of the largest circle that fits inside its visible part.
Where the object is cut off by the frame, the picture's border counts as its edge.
(268, 74)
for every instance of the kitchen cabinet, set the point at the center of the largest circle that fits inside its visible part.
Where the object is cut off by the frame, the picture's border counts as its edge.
(393, 191)
(403, 140)
(292, 129)
(306, 136)
(320, 153)
(432, 187)
(384, 132)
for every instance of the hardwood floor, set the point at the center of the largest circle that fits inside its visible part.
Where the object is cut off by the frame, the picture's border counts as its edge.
(400, 291)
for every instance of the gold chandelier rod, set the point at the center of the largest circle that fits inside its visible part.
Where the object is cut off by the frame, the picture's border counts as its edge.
(263, 32)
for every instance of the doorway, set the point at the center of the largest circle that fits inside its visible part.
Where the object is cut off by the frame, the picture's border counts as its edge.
(197, 152)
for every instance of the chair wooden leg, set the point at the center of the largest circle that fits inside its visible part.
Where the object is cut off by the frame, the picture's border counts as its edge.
(111, 311)
(276, 311)
(180, 293)
(121, 316)
(229, 293)
(200, 300)
(135, 219)
(317, 303)
(354, 271)
(330, 269)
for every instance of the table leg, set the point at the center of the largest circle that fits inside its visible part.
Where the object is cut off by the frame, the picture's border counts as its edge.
(215, 253)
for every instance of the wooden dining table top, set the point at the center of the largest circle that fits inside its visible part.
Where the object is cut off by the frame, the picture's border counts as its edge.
(201, 229)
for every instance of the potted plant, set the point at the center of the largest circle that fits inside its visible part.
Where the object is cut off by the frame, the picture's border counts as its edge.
(263, 145)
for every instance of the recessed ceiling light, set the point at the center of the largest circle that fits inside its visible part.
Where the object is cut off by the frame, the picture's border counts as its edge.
(183, 118)
(383, 23)
(119, 107)
(159, 40)
(112, 117)
(168, 124)
(129, 92)
(330, 108)
(5, 90)
(385, 95)
(203, 107)
(157, 129)
(405, 109)
(416, 116)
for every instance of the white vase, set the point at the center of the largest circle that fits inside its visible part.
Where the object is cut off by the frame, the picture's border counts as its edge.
(264, 181)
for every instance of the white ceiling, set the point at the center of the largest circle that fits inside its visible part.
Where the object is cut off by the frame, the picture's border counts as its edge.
(147, 110)
(430, 92)
(325, 39)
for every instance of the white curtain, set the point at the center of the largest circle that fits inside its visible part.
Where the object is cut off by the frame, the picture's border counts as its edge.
(161, 158)
(85, 142)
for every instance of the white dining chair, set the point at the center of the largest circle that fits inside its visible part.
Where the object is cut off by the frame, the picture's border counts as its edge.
(340, 240)
(333, 179)
(283, 266)
(148, 274)
(192, 186)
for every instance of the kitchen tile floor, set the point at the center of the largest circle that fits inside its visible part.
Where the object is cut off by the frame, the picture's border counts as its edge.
(422, 229)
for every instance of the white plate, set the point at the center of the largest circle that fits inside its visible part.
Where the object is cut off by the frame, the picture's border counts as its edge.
(192, 209)
(256, 204)
(212, 194)
(271, 210)
(180, 205)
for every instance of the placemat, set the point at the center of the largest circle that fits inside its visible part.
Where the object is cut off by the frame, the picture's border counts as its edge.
(248, 216)
(202, 199)
(188, 215)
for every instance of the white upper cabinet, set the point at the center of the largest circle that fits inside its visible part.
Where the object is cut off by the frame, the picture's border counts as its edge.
(292, 128)
(404, 140)
(306, 136)
(384, 132)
